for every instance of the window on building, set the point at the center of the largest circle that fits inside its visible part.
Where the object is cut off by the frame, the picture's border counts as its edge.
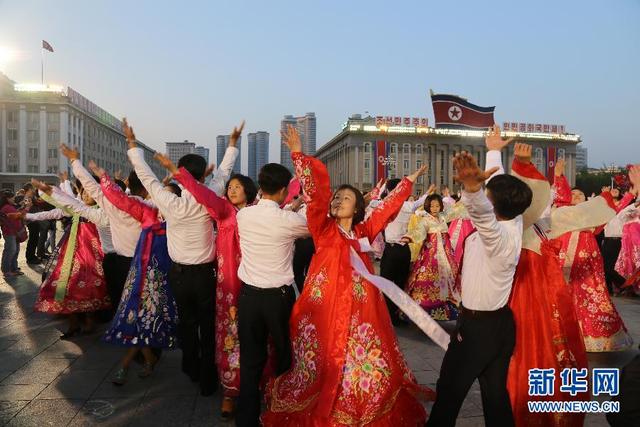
(33, 135)
(419, 150)
(53, 153)
(53, 137)
(12, 116)
(406, 149)
(33, 153)
(394, 149)
(367, 147)
(33, 120)
(561, 153)
(538, 159)
(12, 134)
(405, 165)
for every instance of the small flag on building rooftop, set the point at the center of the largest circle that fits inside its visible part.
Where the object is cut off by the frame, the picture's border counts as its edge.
(454, 112)
(47, 46)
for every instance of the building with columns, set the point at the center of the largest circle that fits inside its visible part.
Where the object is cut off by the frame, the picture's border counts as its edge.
(36, 119)
(365, 151)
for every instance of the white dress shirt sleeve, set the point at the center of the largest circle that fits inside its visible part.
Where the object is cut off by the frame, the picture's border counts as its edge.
(45, 215)
(66, 187)
(297, 224)
(494, 159)
(222, 173)
(88, 183)
(169, 204)
(484, 219)
(96, 216)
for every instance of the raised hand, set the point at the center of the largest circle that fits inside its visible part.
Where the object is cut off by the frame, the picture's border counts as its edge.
(469, 174)
(209, 170)
(634, 178)
(97, 170)
(421, 171)
(494, 140)
(166, 162)
(129, 134)
(70, 153)
(45, 188)
(559, 168)
(522, 152)
(432, 189)
(235, 135)
(291, 139)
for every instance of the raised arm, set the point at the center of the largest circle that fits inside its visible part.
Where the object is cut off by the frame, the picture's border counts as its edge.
(217, 207)
(495, 144)
(88, 182)
(523, 169)
(561, 186)
(96, 216)
(390, 206)
(477, 204)
(120, 200)
(593, 213)
(222, 174)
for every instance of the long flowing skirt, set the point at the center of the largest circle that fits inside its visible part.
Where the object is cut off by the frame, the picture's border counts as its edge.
(76, 284)
(628, 261)
(547, 336)
(362, 381)
(601, 325)
(147, 315)
(432, 282)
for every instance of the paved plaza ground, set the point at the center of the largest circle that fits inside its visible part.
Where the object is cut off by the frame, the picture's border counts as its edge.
(46, 381)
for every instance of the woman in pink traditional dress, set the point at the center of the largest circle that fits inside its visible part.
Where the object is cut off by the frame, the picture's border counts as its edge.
(459, 229)
(241, 191)
(347, 368)
(432, 282)
(76, 285)
(628, 263)
(602, 327)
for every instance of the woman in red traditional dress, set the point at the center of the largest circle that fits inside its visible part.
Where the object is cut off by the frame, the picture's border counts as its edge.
(76, 285)
(602, 327)
(547, 331)
(347, 368)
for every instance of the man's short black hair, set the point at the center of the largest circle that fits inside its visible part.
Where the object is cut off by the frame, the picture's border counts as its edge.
(429, 199)
(392, 184)
(120, 183)
(250, 189)
(510, 196)
(28, 186)
(135, 185)
(273, 177)
(196, 165)
(358, 216)
(175, 188)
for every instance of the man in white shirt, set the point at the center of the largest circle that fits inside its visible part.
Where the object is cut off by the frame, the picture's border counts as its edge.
(483, 340)
(191, 246)
(125, 230)
(267, 235)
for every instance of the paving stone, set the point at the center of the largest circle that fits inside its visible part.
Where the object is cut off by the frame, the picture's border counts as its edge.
(74, 384)
(58, 412)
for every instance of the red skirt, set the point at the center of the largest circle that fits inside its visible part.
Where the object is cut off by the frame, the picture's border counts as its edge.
(86, 289)
(547, 336)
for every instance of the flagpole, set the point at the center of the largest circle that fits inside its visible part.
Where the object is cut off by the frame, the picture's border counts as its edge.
(42, 66)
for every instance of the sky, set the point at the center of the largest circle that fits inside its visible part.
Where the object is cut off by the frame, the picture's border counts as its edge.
(193, 70)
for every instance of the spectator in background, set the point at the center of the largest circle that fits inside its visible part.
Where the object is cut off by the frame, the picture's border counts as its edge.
(10, 229)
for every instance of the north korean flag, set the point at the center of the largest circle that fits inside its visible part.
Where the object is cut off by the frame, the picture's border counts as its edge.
(454, 112)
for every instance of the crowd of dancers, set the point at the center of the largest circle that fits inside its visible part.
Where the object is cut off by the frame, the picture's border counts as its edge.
(269, 290)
